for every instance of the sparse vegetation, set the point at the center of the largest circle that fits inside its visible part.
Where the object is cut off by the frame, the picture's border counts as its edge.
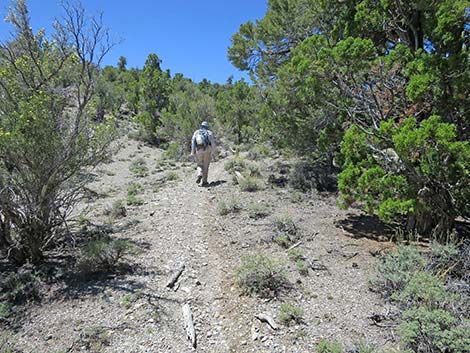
(249, 184)
(172, 175)
(258, 210)
(117, 209)
(139, 168)
(94, 338)
(235, 164)
(229, 206)
(434, 313)
(289, 313)
(103, 255)
(262, 275)
(286, 230)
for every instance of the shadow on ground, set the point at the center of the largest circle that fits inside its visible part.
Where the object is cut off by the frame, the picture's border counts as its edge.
(366, 226)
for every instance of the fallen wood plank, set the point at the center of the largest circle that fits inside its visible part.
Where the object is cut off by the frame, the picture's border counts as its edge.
(267, 319)
(175, 276)
(239, 177)
(295, 245)
(189, 325)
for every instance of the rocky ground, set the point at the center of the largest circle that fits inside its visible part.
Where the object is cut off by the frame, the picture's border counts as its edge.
(179, 223)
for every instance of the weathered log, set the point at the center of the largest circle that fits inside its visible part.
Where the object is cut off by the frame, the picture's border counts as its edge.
(239, 177)
(267, 319)
(174, 278)
(189, 325)
(295, 245)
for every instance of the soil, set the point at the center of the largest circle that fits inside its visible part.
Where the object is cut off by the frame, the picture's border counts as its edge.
(179, 223)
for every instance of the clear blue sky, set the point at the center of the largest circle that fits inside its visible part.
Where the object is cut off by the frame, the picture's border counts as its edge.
(190, 36)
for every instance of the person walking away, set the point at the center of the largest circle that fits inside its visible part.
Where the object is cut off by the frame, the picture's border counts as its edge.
(203, 147)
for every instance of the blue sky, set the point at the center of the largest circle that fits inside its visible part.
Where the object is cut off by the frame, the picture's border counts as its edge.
(190, 36)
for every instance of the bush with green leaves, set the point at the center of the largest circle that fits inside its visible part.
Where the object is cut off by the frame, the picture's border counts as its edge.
(435, 314)
(19, 287)
(49, 140)
(260, 274)
(325, 346)
(257, 210)
(237, 164)
(249, 184)
(230, 206)
(139, 168)
(289, 313)
(417, 169)
(396, 268)
(117, 209)
(286, 230)
(104, 255)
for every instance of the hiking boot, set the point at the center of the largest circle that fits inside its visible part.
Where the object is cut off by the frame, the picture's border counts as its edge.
(205, 183)
(198, 179)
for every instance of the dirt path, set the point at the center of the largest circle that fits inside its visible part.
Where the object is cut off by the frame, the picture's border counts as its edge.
(179, 223)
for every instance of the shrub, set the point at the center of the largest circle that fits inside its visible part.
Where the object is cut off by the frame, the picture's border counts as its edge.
(253, 170)
(229, 206)
(422, 289)
(134, 189)
(444, 258)
(139, 168)
(262, 275)
(249, 184)
(133, 200)
(258, 210)
(117, 210)
(396, 268)
(172, 176)
(103, 255)
(433, 330)
(325, 346)
(289, 313)
(94, 338)
(286, 229)
(47, 145)
(235, 164)
(314, 175)
(174, 150)
(296, 254)
(18, 288)
(282, 240)
(302, 267)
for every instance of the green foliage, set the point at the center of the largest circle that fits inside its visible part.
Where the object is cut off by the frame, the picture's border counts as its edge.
(103, 255)
(250, 184)
(433, 330)
(156, 88)
(289, 313)
(139, 168)
(325, 346)
(95, 338)
(235, 164)
(257, 210)
(236, 111)
(413, 176)
(117, 210)
(397, 268)
(18, 288)
(187, 107)
(172, 176)
(230, 206)
(46, 147)
(262, 275)
(302, 267)
(134, 189)
(286, 230)
(134, 200)
(434, 318)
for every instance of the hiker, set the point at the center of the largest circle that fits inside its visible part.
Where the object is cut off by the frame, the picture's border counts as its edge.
(203, 147)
